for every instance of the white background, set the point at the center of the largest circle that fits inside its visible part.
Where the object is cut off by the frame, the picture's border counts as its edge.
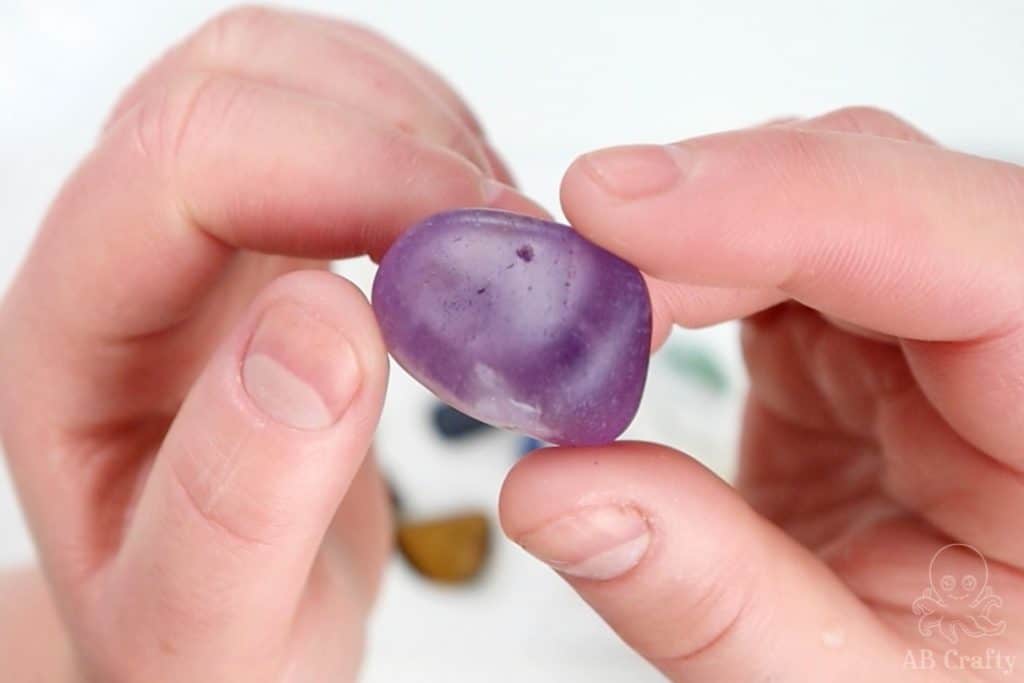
(549, 80)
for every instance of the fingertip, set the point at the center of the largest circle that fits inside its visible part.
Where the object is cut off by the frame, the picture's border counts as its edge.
(311, 353)
(498, 195)
(339, 302)
(493, 193)
(615, 197)
(301, 383)
(502, 172)
(620, 175)
(554, 480)
(577, 192)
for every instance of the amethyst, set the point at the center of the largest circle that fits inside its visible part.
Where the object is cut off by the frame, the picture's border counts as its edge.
(518, 322)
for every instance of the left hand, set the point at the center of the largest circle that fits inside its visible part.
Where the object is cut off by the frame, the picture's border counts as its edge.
(188, 397)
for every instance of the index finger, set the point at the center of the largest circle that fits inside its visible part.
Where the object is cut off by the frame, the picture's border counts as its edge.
(906, 239)
(212, 164)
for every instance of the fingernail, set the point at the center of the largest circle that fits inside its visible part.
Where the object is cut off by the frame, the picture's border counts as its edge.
(498, 195)
(493, 190)
(637, 171)
(299, 370)
(778, 121)
(600, 542)
(501, 169)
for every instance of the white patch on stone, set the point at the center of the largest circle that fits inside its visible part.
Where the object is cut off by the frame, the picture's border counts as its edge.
(524, 408)
(492, 402)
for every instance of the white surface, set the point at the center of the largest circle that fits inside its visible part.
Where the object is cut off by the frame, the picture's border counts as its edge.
(549, 80)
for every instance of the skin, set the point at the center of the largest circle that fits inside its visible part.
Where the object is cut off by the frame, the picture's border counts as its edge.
(877, 275)
(185, 532)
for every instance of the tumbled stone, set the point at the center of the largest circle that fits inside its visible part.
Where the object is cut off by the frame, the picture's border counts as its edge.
(450, 549)
(518, 322)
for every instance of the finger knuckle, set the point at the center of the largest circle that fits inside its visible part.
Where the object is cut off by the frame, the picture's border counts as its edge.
(1005, 183)
(237, 30)
(856, 116)
(1009, 181)
(364, 33)
(713, 618)
(182, 114)
(718, 626)
(794, 155)
(871, 120)
(226, 511)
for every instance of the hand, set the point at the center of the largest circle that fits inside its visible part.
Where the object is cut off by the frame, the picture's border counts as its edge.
(188, 394)
(882, 281)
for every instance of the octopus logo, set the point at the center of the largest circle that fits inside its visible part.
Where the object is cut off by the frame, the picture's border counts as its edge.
(959, 599)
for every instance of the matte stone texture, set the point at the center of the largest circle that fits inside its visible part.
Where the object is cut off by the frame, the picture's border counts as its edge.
(518, 322)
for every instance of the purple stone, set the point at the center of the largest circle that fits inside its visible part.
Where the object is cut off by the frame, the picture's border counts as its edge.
(518, 322)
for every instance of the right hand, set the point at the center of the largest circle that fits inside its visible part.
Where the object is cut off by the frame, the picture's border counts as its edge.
(880, 280)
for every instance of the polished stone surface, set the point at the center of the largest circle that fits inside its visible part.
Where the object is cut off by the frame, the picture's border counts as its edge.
(518, 322)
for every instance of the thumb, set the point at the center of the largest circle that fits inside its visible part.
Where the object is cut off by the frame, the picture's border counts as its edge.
(229, 524)
(685, 572)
